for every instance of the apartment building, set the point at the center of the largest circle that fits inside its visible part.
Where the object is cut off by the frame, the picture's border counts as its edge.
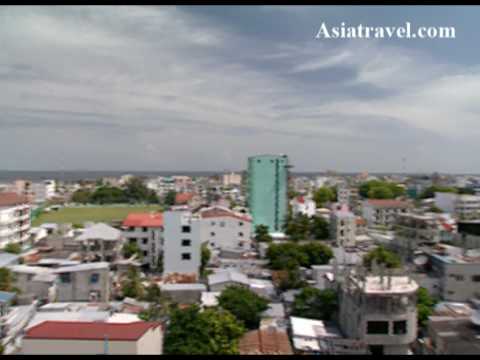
(383, 212)
(379, 309)
(304, 205)
(93, 338)
(463, 206)
(182, 241)
(145, 230)
(222, 228)
(343, 226)
(101, 242)
(14, 218)
(232, 179)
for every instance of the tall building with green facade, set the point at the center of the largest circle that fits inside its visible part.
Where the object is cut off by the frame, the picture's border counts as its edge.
(267, 190)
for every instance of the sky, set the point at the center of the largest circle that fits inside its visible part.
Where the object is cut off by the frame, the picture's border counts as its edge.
(201, 88)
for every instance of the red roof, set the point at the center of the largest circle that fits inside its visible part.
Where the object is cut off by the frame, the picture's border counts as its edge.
(12, 199)
(144, 220)
(300, 199)
(79, 330)
(265, 342)
(220, 212)
(183, 198)
(388, 203)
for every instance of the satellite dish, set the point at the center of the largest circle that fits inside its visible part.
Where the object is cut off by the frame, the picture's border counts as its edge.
(420, 260)
(476, 318)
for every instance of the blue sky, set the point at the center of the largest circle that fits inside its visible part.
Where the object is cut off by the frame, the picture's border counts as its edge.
(202, 88)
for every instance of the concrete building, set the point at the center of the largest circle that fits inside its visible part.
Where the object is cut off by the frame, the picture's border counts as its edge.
(383, 212)
(267, 190)
(182, 242)
(222, 228)
(145, 230)
(270, 341)
(184, 293)
(343, 226)
(232, 179)
(14, 218)
(93, 338)
(43, 191)
(219, 281)
(101, 242)
(379, 310)
(304, 205)
(463, 206)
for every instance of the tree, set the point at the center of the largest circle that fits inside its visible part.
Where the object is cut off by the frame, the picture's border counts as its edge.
(152, 292)
(319, 228)
(262, 234)
(425, 305)
(323, 195)
(81, 196)
(317, 253)
(382, 256)
(314, 303)
(430, 191)
(204, 258)
(7, 280)
(290, 255)
(209, 332)
(298, 227)
(136, 191)
(131, 248)
(13, 248)
(244, 304)
(160, 304)
(169, 198)
(376, 189)
(132, 285)
(108, 195)
(291, 279)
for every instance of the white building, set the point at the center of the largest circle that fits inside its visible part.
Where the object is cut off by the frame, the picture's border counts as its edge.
(43, 191)
(93, 338)
(14, 218)
(383, 212)
(146, 230)
(343, 226)
(222, 228)
(182, 241)
(304, 205)
(463, 206)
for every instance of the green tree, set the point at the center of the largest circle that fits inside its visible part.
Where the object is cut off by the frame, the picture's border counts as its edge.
(131, 248)
(262, 234)
(319, 228)
(430, 191)
(376, 189)
(314, 303)
(81, 196)
(323, 195)
(7, 280)
(132, 285)
(382, 256)
(160, 304)
(317, 253)
(291, 280)
(290, 255)
(204, 258)
(244, 304)
(298, 227)
(13, 248)
(108, 195)
(169, 198)
(209, 332)
(135, 191)
(425, 306)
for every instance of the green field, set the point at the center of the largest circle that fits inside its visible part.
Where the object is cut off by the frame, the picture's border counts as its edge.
(79, 215)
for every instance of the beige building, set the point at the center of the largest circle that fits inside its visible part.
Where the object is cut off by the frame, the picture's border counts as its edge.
(383, 212)
(93, 338)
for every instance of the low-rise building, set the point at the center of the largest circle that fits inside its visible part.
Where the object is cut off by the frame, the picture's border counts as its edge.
(270, 341)
(184, 293)
(304, 205)
(383, 212)
(463, 206)
(93, 338)
(14, 218)
(101, 242)
(145, 230)
(343, 226)
(223, 279)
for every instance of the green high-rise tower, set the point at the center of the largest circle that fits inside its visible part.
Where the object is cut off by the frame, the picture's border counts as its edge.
(267, 190)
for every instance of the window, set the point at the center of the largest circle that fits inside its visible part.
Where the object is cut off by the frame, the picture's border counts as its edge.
(186, 256)
(212, 223)
(94, 278)
(132, 240)
(240, 234)
(65, 278)
(186, 242)
(186, 229)
(212, 234)
(240, 223)
(145, 241)
(222, 223)
(400, 327)
(145, 229)
(476, 278)
(131, 228)
(377, 327)
(145, 253)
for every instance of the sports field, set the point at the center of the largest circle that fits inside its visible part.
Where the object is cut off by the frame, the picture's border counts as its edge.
(79, 215)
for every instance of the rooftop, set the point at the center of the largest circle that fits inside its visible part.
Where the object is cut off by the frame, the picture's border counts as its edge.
(144, 220)
(311, 328)
(397, 285)
(79, 330)
(388, 203)
(12, 199)
(265, 342)
(100, 231)
(227, 276)
(219, 211)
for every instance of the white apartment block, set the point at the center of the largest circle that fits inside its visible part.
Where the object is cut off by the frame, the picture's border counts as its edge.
(182, 241)
(463, 206)
(43, 191)
(14, 218)
(146, 230)
(222, 228)
(383, 212)
(343, 194)
(304, 205)
(343, 225)
(380, 311)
